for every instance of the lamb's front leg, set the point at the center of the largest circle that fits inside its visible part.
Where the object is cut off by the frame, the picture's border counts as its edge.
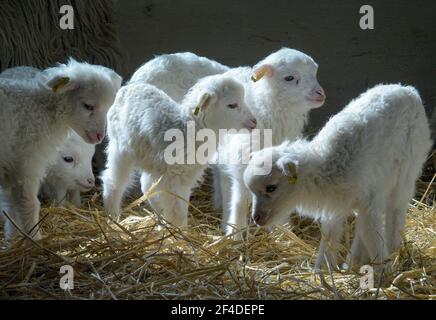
(115, 181)
(74, 196)
(225, 190)
(25, 206)
(239, 209)
(331, 235)
(60, 196)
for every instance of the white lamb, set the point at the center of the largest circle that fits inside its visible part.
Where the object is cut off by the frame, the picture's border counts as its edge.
(285, 90)
(137, 126)
(35, 117)
(176, 73)
(173, 73)
(366, 159)
(71, 173)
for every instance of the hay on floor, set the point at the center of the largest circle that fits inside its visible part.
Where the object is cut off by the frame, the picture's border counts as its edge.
(142, 258)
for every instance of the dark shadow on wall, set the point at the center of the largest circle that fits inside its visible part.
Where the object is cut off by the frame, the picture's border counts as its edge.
(400, 49)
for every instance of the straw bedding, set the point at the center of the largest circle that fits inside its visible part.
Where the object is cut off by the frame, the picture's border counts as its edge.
(143, 258)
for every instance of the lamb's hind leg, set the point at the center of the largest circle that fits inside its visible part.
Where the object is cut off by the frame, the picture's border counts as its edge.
(372, 231)
(157, 196)
(331, 235)
(115, 181)
(358, 255)
(396, 215)
(24, 208)
(172, 201)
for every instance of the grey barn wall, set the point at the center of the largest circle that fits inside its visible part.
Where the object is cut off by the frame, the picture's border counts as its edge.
(400, 49)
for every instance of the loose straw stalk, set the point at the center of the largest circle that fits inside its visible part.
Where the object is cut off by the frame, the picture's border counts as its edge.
(142, 258)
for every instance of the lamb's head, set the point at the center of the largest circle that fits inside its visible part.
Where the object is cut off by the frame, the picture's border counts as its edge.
(274, 193)
(89, 91)
(218, 101)
(290, 75)
(73, 166)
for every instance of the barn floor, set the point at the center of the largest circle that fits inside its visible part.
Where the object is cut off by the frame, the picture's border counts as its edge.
(140, 258)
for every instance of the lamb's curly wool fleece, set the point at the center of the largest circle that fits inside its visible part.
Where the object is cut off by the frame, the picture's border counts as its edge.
(366, 158)
(140, 120)
(276, 104)
(176, 73)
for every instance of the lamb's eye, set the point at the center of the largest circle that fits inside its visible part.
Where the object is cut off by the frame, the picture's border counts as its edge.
(88, 107)
(232, 105)
(271, 188)
(289, 78)
(68, 159)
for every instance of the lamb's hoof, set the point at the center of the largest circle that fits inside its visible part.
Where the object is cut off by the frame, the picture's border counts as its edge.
(346, 267)
(36, 236)
(176, 222)
(235, 235)
(11, 233)
(317, 270)
(350, 264)
(115, 216)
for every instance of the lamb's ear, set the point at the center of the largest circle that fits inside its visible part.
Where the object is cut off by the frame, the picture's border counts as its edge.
(117, 80)
(61, 83)
(290, 169)
(206, 100)
(265, 70)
